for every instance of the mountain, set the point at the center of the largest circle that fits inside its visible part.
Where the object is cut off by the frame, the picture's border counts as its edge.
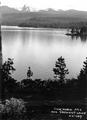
(43, 18)
(67, 13)
(8, 10)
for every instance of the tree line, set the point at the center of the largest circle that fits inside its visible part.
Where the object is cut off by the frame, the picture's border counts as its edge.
(48, 22)
(58, 88)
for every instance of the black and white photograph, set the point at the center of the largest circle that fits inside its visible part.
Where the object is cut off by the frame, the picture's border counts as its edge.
(43, 59)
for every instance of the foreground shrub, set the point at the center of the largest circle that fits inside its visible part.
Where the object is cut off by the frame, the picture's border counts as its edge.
(12, 109)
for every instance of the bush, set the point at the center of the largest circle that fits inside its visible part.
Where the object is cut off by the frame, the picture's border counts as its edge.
(12, 109)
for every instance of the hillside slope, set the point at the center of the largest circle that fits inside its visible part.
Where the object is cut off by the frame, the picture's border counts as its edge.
(43, 18)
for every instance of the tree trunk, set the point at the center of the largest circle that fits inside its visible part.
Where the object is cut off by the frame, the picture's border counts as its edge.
(0, 64)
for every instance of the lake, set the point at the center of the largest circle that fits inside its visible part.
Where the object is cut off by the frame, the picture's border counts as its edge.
(40, 48)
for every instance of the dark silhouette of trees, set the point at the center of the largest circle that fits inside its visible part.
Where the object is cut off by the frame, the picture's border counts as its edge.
(7, 69)
(0, 63)
(82, 79)
(27, 82)
(46, 89)
(60, 69)
(8, 82)
(29, 73)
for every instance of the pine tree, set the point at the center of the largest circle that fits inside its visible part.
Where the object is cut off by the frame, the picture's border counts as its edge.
(82, 79)
(60, 69)
(7, 69)
(29, 73)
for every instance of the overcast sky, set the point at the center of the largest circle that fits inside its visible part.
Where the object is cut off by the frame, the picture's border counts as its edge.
(43, 4)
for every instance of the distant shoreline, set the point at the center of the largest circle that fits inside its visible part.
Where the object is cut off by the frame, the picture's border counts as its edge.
(8, 27)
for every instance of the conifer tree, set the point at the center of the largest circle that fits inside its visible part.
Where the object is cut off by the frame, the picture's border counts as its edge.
(82, 79)
(29, 73)
(60, 69)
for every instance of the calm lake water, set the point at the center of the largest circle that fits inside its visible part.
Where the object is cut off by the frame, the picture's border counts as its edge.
(40, 48)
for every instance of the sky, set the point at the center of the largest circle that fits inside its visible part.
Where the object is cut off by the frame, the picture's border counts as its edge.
(44, 4)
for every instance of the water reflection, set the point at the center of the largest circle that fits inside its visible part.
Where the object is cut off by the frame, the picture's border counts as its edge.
(83, 38)
(40, 48)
